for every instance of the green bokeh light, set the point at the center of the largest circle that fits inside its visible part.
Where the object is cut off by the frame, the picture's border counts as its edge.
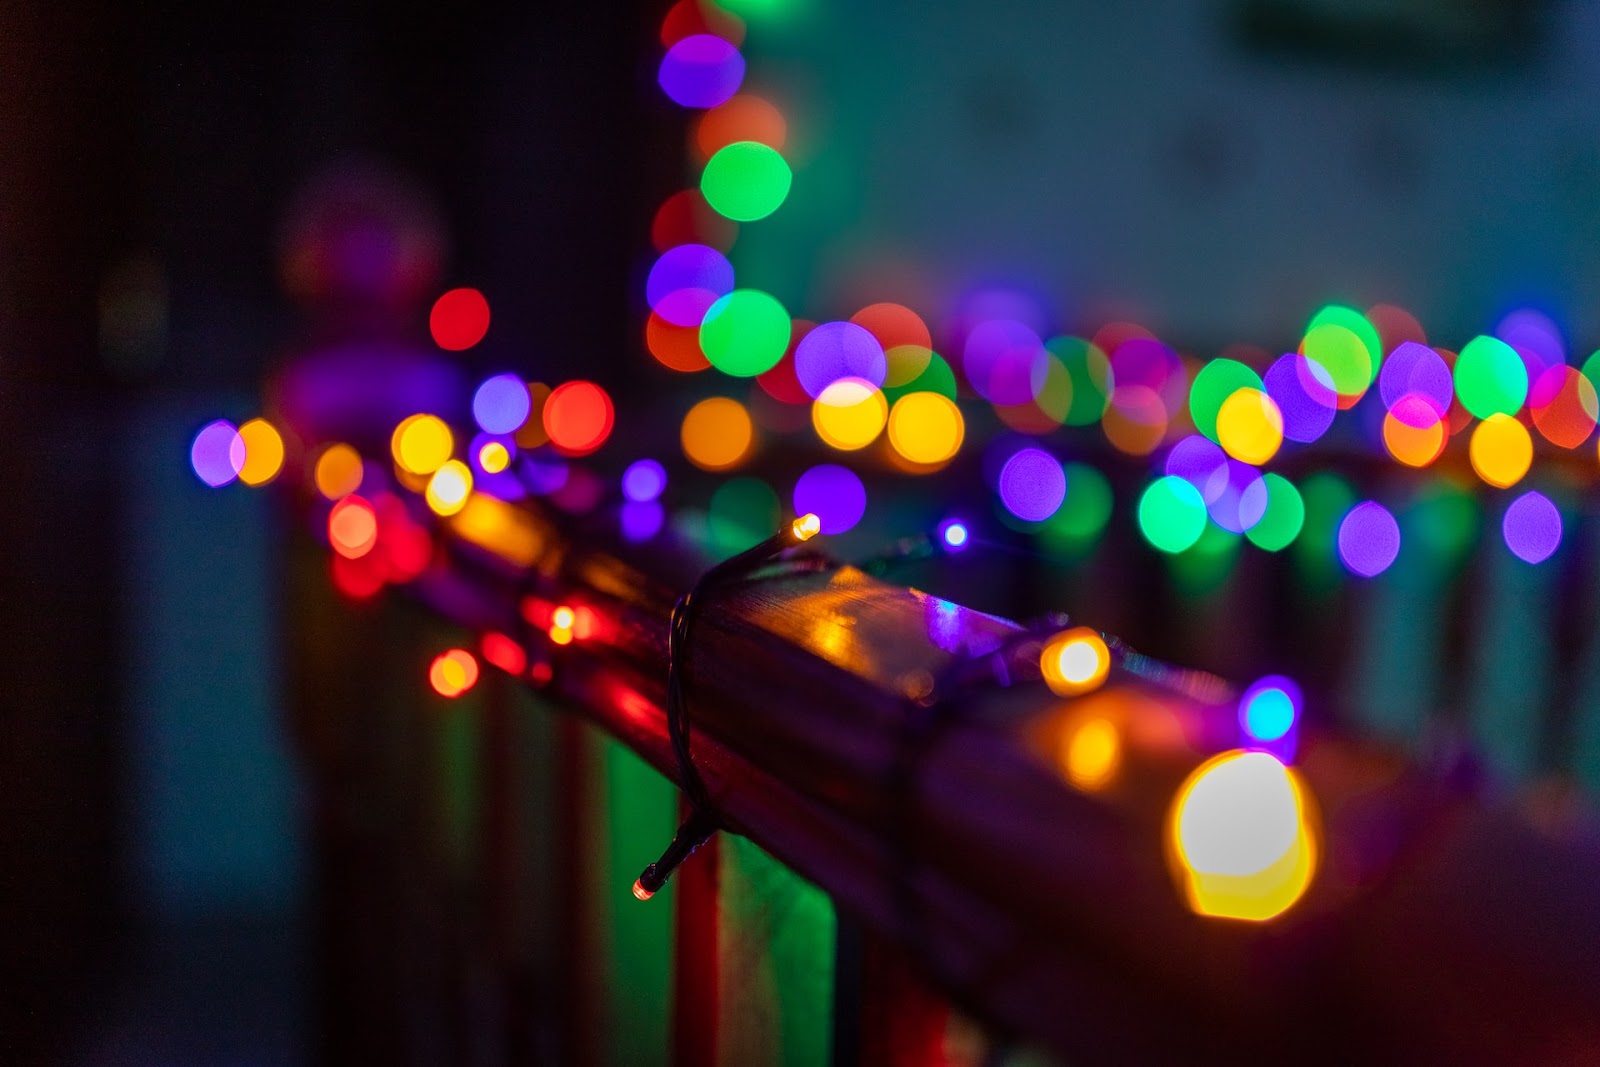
(936, 377)
(1327, 498)
(746, 181)
(1204, 566)
(1086, 394)
(1216, 382)
(1281, 523)
(1359, 325)
(743, 513)
(1084, 513)
(745, 333)
(1172, 514)
(1341, 352)
(1490, 377)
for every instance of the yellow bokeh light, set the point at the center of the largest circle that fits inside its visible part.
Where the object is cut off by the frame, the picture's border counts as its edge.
(1075, 661)
(1242, 837)
(494, 457)
(338, 471)
(1501, 450)
(449, 488)
(263, 452)
(1091, 752)
(850, 414)
(1250, 426)
(1413, 445)
(926, 428)
(717, 434)
(421, 444)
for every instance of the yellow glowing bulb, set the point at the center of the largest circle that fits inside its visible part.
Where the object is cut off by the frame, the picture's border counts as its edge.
(338, 472)
(448, 488)
(926, 428)
(494, 457)
(1501, 450)
(562, 618)
(421, 444)
(1241, 836)
(850, 414)
(1250, 426)
(1092, 753)
(717, 433)
(1075, 661)
(263, 452)
(561, 635)
(806, 527)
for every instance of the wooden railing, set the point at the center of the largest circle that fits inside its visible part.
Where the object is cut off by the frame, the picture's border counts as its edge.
(477, 855)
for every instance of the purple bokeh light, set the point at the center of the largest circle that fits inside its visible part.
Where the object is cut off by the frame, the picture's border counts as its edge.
(1532, 527)
(685, 281)
(1236, 496)
(834, 494)
(837, 350)
(217, 454)
(702, 70)
(1415, 370)
(1005, 362)
(1369, 539)
(501, 404)
(1303, 390)
(644, 480)
(1032, 485)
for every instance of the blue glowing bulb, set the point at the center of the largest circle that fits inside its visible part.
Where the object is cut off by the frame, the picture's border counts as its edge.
(1268, 709)
(953, 532)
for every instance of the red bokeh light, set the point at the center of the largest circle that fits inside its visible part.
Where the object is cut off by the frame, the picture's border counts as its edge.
(459, 319)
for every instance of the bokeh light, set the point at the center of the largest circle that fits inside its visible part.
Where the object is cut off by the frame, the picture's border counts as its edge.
(1532, 527)
(743, 513)
(263, 452)
(701, 70)
(1172, 514)
(1215, 383)
(717, 433)
(421, 444)
(834, 494)
(1075, 661)
(1283, 518)
(1270, 708)
(578, 416)
(1091, 752)
(492, 455)
(501, 404)
(742, 118)
(1250, 426)
(1490, 377)
(217, 454)
(1303, 390)
(1351, 362)
(926, 428)
(685, 218)
(745, 333)
(459, 319)
(746, 180)
(1081, 393)
(448, 488)
(1369, 539)
(1564, 406)
(1410, 443)
(645, 479)
(1032, 484)
(836, 350)
(338, 471)
(1419, 373)
(1500, 450)
(1005, 361)
(1241, 836)
(674, 347)
(454, 672)
(850, 414)
(1236, 497)
(685, 281)
(642, 520)
(352, 527)
(1085, 511)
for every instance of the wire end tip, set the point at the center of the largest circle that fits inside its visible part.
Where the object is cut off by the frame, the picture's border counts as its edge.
(640, 892)
(806, 527)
